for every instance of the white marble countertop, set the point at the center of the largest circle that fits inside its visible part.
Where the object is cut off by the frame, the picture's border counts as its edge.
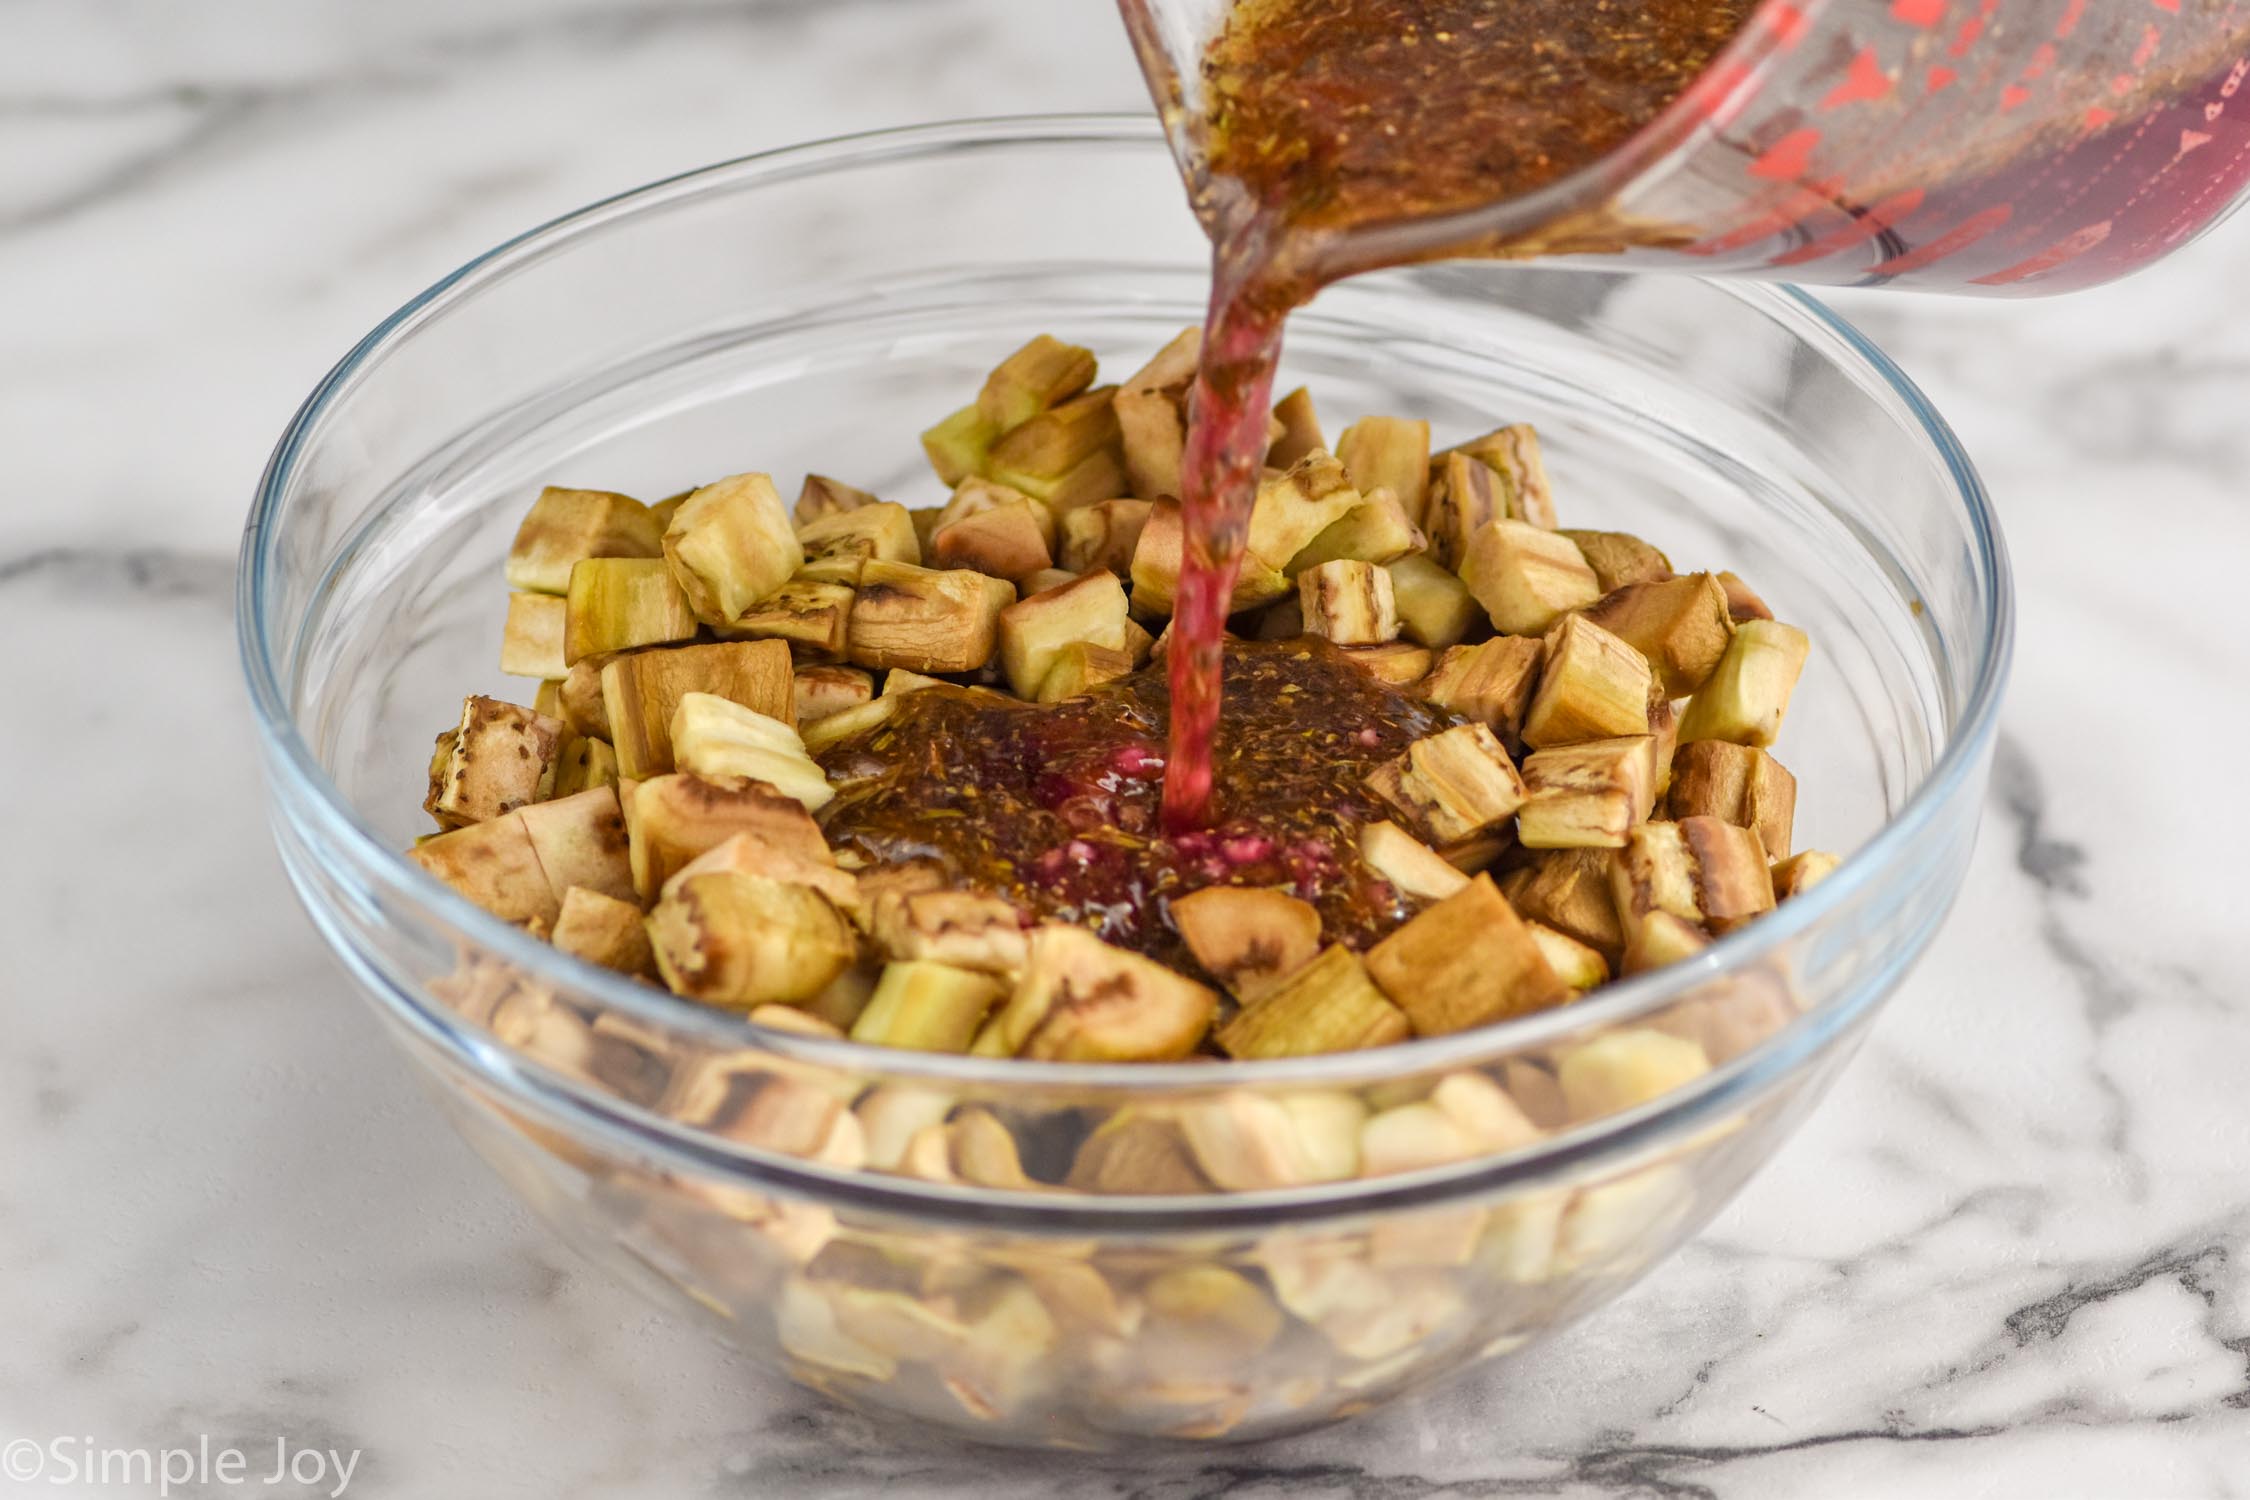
(2009, 1257)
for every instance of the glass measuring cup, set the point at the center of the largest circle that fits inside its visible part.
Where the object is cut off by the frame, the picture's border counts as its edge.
(2001, 147)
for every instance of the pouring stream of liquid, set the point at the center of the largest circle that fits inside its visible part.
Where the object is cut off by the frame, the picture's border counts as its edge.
(1324, 119)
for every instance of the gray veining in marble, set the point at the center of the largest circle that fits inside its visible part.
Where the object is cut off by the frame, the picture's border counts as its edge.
(2009, 1257)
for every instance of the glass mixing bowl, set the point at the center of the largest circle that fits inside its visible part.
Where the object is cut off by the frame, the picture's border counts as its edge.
(1075, 1255)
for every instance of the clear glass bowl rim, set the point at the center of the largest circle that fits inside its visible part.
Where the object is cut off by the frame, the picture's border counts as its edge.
(319, 812)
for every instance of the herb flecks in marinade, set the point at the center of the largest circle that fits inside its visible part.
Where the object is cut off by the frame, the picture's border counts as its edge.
(1335, 113)
(1056, 807)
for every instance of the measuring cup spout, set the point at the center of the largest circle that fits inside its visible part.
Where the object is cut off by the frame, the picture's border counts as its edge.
(1996, 147)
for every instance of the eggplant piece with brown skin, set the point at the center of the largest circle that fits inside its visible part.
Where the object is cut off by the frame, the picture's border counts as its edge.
(1348, 603)
(1802, 871)
(1041, 375)
(580, 841)
(739, 940)
(1068, 455)
(1081, 1000)
(564, 527)
(1526, 578)
(1587, 796)
(1388, 453)
(821, 496)
(1680, 625)
(926, 620)
(1619, 558)
(1664, 728)
(1747, 694)
(1101, 535)
(1413, 868)
(494, 865)
(731, 544)
(1435, 608)
(1079, 668)
(1569, 890)
(531, 642)
(1467, 961)
(1297, 505)
(1377, 530)
(1743, 602)
(1697, 869)
(994, 530)
(1455, 785)
(1737, 784)
(1328, 1005)
(1592, 686)
(673, 819)
(963, 929)
(604, 931)
(1151, 409)
(1491, 682)
(617, 603)
(1514, 454)
(1034, 630)
(1250, 940)
(502, 757)
(1298, 431)
(926, 1006)
(1098, 476)
(812, 617)
(820, 691)
(974, 497)
(1463, 497)
(641, 693)
(840, 545)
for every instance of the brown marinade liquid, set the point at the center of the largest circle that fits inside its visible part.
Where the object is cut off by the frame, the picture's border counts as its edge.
(1326, 117)
(1333, 114)
(1056, 807)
